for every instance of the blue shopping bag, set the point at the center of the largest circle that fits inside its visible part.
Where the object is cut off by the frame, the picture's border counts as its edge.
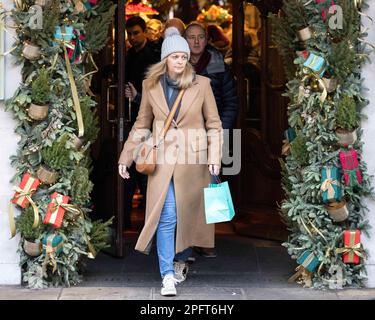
(218, 203)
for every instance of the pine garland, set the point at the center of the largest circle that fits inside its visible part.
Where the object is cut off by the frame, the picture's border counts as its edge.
(50, 140)
(315, 119)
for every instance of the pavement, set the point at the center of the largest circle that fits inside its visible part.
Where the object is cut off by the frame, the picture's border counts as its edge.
(245, 269)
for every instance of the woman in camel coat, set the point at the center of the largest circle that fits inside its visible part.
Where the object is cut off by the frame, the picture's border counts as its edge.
(191, 151)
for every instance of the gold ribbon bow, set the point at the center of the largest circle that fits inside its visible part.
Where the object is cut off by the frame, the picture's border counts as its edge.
(78, 212)
(73, 87)
(27, 195)
(300, 219)
(324, 94)
(50, 254)
(351, 250)
(285, 150)
(86, 80)
(76, 103)
(358, 4)
(328, 184)
(20, 5)
(58, 202)
(4, 26)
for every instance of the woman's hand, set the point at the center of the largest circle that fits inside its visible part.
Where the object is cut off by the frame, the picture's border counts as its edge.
(123, 172)
(130, 91)
(214, 169)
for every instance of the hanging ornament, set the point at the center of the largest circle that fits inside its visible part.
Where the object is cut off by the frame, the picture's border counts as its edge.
(304, 34)
(338, 211)
(31, 51)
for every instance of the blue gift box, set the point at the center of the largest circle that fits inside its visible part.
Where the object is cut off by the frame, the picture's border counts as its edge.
(331, 184)
(308, 260)
(290, 134)
(54, 241)
(316, 64)
(63, 35)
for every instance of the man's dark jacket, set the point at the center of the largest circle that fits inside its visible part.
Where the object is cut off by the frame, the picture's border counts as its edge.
(224, 87)
(136, 66)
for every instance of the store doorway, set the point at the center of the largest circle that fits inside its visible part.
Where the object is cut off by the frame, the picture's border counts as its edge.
(262, 119)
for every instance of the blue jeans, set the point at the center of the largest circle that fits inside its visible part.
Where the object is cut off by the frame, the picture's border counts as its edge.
(165, 235)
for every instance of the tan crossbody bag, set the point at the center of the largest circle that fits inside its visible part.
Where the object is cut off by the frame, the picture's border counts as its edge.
(147, 155)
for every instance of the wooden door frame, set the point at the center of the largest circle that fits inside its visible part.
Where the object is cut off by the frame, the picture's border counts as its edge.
(238, 64)
(120, 64)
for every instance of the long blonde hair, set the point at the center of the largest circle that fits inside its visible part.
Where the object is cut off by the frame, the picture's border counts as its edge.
(158, 69)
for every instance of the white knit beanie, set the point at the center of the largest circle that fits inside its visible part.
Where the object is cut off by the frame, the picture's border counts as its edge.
(173, 42)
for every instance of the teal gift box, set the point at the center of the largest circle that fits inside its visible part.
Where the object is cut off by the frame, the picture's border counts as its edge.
(331, 184)
(53, 243)
(218, 203)
(308, 260)
(290, 134)
(316, 64)
(63, 35)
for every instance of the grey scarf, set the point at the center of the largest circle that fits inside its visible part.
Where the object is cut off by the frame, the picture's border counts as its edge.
(171, 91)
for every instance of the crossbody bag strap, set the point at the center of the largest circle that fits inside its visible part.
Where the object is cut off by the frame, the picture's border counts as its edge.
(171, 114)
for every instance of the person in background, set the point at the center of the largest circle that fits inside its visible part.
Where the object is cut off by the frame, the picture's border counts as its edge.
(217, 38)
(154, 30)
(209, 62)
(133, 92)
(175, 209)
(139, 57)
(177, 23)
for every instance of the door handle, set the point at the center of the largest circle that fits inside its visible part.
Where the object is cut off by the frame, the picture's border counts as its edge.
(247, 95)
(110, 104)
(130, 111)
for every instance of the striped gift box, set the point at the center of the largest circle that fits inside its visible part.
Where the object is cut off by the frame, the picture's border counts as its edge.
(350, 165)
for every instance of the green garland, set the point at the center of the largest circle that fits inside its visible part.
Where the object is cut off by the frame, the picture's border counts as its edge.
(315, 117)
(50, 141)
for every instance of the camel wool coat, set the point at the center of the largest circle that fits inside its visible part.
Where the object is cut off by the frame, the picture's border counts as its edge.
(193, 141)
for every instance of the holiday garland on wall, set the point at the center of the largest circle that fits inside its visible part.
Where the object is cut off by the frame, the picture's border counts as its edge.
(324, 175)
(57, 124)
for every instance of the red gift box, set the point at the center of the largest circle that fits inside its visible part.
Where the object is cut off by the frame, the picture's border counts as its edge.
(349, 163)
(352, 246)
(27, 187)
(55, 212)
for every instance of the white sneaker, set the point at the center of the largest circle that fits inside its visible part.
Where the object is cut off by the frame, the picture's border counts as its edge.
(180, 271)
(168, 287)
